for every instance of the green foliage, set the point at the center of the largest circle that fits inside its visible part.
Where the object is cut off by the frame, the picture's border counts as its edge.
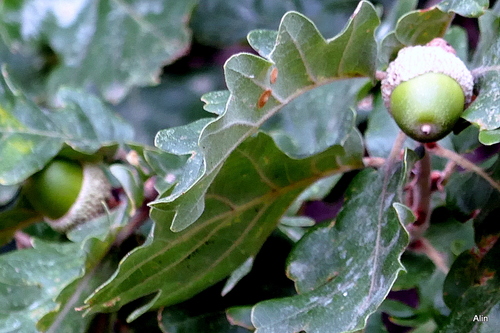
(222, 211)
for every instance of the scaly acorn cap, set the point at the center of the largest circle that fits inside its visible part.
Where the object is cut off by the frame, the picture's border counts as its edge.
(437, 56)
(95, 190)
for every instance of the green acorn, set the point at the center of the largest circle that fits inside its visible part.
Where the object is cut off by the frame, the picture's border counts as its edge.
(68, 193)
(426, 89)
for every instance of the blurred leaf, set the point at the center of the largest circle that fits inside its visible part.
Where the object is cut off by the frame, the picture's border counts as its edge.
(468, 8)
(421, 26)
(15, 219)
(24, 67)
(110, 45)
(18, 214)
(466, 192)
(304, 61)
(241, 316)
(31, 137)
(131, 184)
(457, 37)
(394, 13)
(69, 318)
(489, 137)
(316, 119)
(374, 324)
(239, 215)
(449, 236)
(316, 191)
(32, 278)
(482, 112)
(174, 102)
(466, 141)
(397, 309)
(341, 276)
(237, 275)
(221, 23)
(166, 167)
(418, 268)
(477, 275)
(414, 28)
(202, 313)
(94, 239)
(7, 194)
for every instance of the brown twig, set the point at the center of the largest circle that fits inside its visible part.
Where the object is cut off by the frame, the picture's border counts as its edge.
(23, 240)
(423, 246)
(375, 162)
(461, 161)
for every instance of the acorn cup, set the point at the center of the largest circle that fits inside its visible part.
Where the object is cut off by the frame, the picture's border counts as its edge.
(68, 193)
(426, 89)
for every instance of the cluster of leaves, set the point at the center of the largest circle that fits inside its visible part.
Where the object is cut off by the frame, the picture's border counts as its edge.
(291, 126)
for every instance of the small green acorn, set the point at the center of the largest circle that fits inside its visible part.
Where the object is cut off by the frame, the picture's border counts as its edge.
(68, 193)
(426, 89)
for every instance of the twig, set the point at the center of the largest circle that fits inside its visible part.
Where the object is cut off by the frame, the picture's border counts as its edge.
(396, 149)
(375, 162)
(461, 161)
(380, 75)
(425, 247)
(23, 240)
(446, 174)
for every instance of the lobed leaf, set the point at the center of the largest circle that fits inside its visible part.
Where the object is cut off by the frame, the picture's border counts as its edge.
(343, 271)
(304, 60)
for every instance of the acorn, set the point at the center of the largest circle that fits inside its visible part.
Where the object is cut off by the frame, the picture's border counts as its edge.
(68, 193)
(426, 89)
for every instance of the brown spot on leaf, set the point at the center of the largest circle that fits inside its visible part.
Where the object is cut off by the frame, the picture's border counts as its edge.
(273, 76)
(263, 98)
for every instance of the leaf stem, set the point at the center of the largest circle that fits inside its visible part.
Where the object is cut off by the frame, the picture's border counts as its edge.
(461, 161)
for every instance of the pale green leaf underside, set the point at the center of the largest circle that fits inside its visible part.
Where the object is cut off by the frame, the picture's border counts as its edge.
(484, 112)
